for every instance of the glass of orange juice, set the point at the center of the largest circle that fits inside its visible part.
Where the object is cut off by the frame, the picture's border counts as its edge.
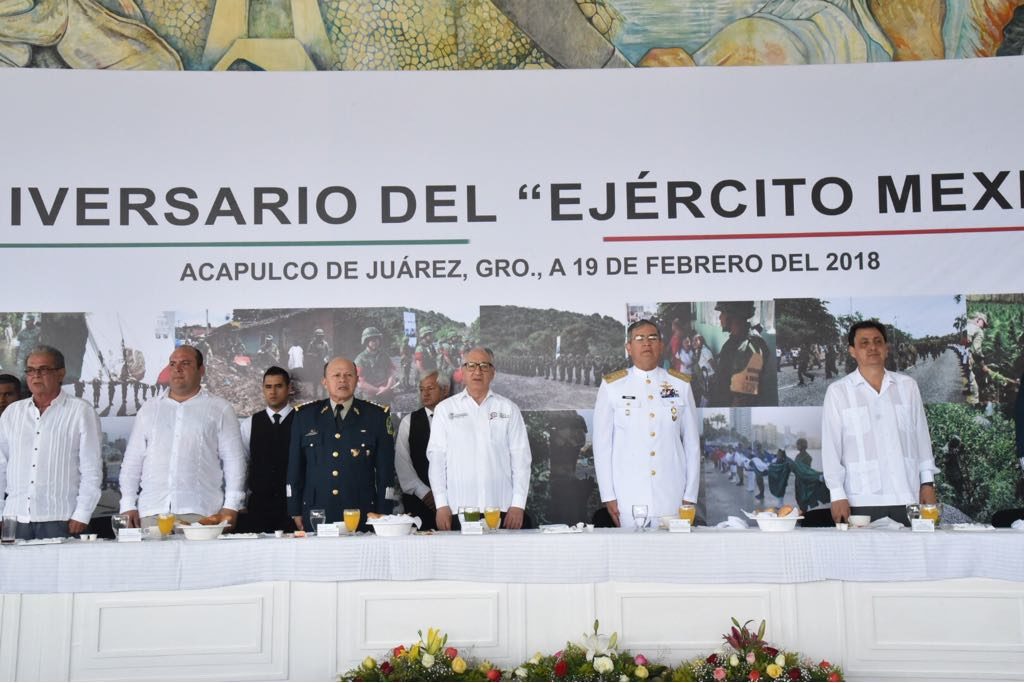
(165, 522)
(688, 511)
(492, 516)
(930, 511)
(352, 519)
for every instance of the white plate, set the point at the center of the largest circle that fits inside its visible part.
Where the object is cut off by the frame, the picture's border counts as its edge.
(228, 537)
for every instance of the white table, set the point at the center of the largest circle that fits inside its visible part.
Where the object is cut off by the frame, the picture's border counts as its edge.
(887, 604)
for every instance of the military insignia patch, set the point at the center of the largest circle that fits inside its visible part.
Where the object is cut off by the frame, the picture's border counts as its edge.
(668, 391)
(355, 452)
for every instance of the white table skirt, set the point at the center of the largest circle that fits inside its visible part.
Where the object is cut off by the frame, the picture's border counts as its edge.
(705, 556)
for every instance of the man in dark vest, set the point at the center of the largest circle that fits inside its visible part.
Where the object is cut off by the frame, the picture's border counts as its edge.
(266, 436)
(411, 463)
(342, 453)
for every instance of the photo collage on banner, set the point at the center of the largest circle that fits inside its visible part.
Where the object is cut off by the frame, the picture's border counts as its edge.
(758, 369)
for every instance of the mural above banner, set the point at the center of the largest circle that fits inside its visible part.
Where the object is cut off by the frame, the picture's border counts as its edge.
(301, 35)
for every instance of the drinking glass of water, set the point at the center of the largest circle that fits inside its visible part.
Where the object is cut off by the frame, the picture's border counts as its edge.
(640, 516)
(317, 516)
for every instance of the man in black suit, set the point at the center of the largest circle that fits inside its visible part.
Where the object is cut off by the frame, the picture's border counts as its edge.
(411, 462)
(266, 437)
(342, 453)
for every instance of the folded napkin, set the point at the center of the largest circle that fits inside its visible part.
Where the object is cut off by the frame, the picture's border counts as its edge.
(560, 529)
(972, 527)
(885, 523)
(1018, 525)
(733, 523)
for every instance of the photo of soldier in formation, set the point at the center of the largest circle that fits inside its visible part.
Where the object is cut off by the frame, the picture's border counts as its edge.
(757, 458)
(726, 348)
(551, 359)
(240, 344)
(926, 341)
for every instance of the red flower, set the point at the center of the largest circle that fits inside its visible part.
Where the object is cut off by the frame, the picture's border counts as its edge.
(755, 675)
(494, 675)
(451, 652)
(386, 668)
(770, 651)
(712, 659)
(834, 676)
(561, 668)
(794, 674)
(399, 651)
(824, 664)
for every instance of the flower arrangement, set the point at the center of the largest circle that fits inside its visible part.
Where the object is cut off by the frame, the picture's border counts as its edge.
(596, 658)
(749, 658)
(424, 661)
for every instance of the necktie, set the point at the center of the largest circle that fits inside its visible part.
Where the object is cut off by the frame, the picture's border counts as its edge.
(277, 419)
(337, 414)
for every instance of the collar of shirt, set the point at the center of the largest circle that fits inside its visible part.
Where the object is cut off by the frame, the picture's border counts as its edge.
(345, 406)
(283, 412)
(464, 396)
(60, 399)
(859, 379)
(166, 396)
(644, 374)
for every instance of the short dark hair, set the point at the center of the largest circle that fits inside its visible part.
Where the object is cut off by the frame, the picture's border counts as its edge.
(863, 325)
(641, 323)
(45, 350)
(11, 379)
(199, 354)
(274, 370)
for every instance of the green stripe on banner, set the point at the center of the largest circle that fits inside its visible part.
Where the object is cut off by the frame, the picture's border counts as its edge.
(173, 245)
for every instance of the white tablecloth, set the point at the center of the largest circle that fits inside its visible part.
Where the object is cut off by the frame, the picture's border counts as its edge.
(705, 556)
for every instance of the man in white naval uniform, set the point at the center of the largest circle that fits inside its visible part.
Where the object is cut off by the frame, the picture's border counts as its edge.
(646, 439)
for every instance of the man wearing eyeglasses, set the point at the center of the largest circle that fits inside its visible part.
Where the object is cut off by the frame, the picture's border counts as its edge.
(50, 463)
(185, 451)
(646, 439)
(478, 451)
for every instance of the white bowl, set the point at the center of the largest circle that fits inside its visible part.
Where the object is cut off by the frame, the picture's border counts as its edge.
(202, 533)
(392, 529)
(776, 524)
(860, 520)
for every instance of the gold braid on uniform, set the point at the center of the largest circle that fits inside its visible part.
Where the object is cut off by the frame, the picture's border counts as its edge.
(680, 375)
(615, 376)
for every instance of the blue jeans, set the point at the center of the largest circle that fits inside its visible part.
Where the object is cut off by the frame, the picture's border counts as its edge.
(33, 530)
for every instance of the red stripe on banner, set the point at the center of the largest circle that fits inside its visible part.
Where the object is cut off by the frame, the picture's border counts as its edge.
(790, 235)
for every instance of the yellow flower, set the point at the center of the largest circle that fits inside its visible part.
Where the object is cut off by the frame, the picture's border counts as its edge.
(641, 672)
(459, 665)
(774, 670)
(369, 664)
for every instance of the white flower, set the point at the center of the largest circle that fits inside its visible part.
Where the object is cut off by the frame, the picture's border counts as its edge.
(734, 661)
(536, 658)
(781, 659)
(428, 660)
(603, 665)
(597, 644)
(623, 678)
(522, 673)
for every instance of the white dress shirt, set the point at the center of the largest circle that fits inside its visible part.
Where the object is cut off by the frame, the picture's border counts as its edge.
(246, 425)
(407, 478)
(479, 453)
(50, 463)
(646, 443)
(875, 446)
(186, 455)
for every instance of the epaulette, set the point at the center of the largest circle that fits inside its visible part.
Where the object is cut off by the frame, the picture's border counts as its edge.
(680, 375)
(615, 376)
(303, 405)
(383, 406)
